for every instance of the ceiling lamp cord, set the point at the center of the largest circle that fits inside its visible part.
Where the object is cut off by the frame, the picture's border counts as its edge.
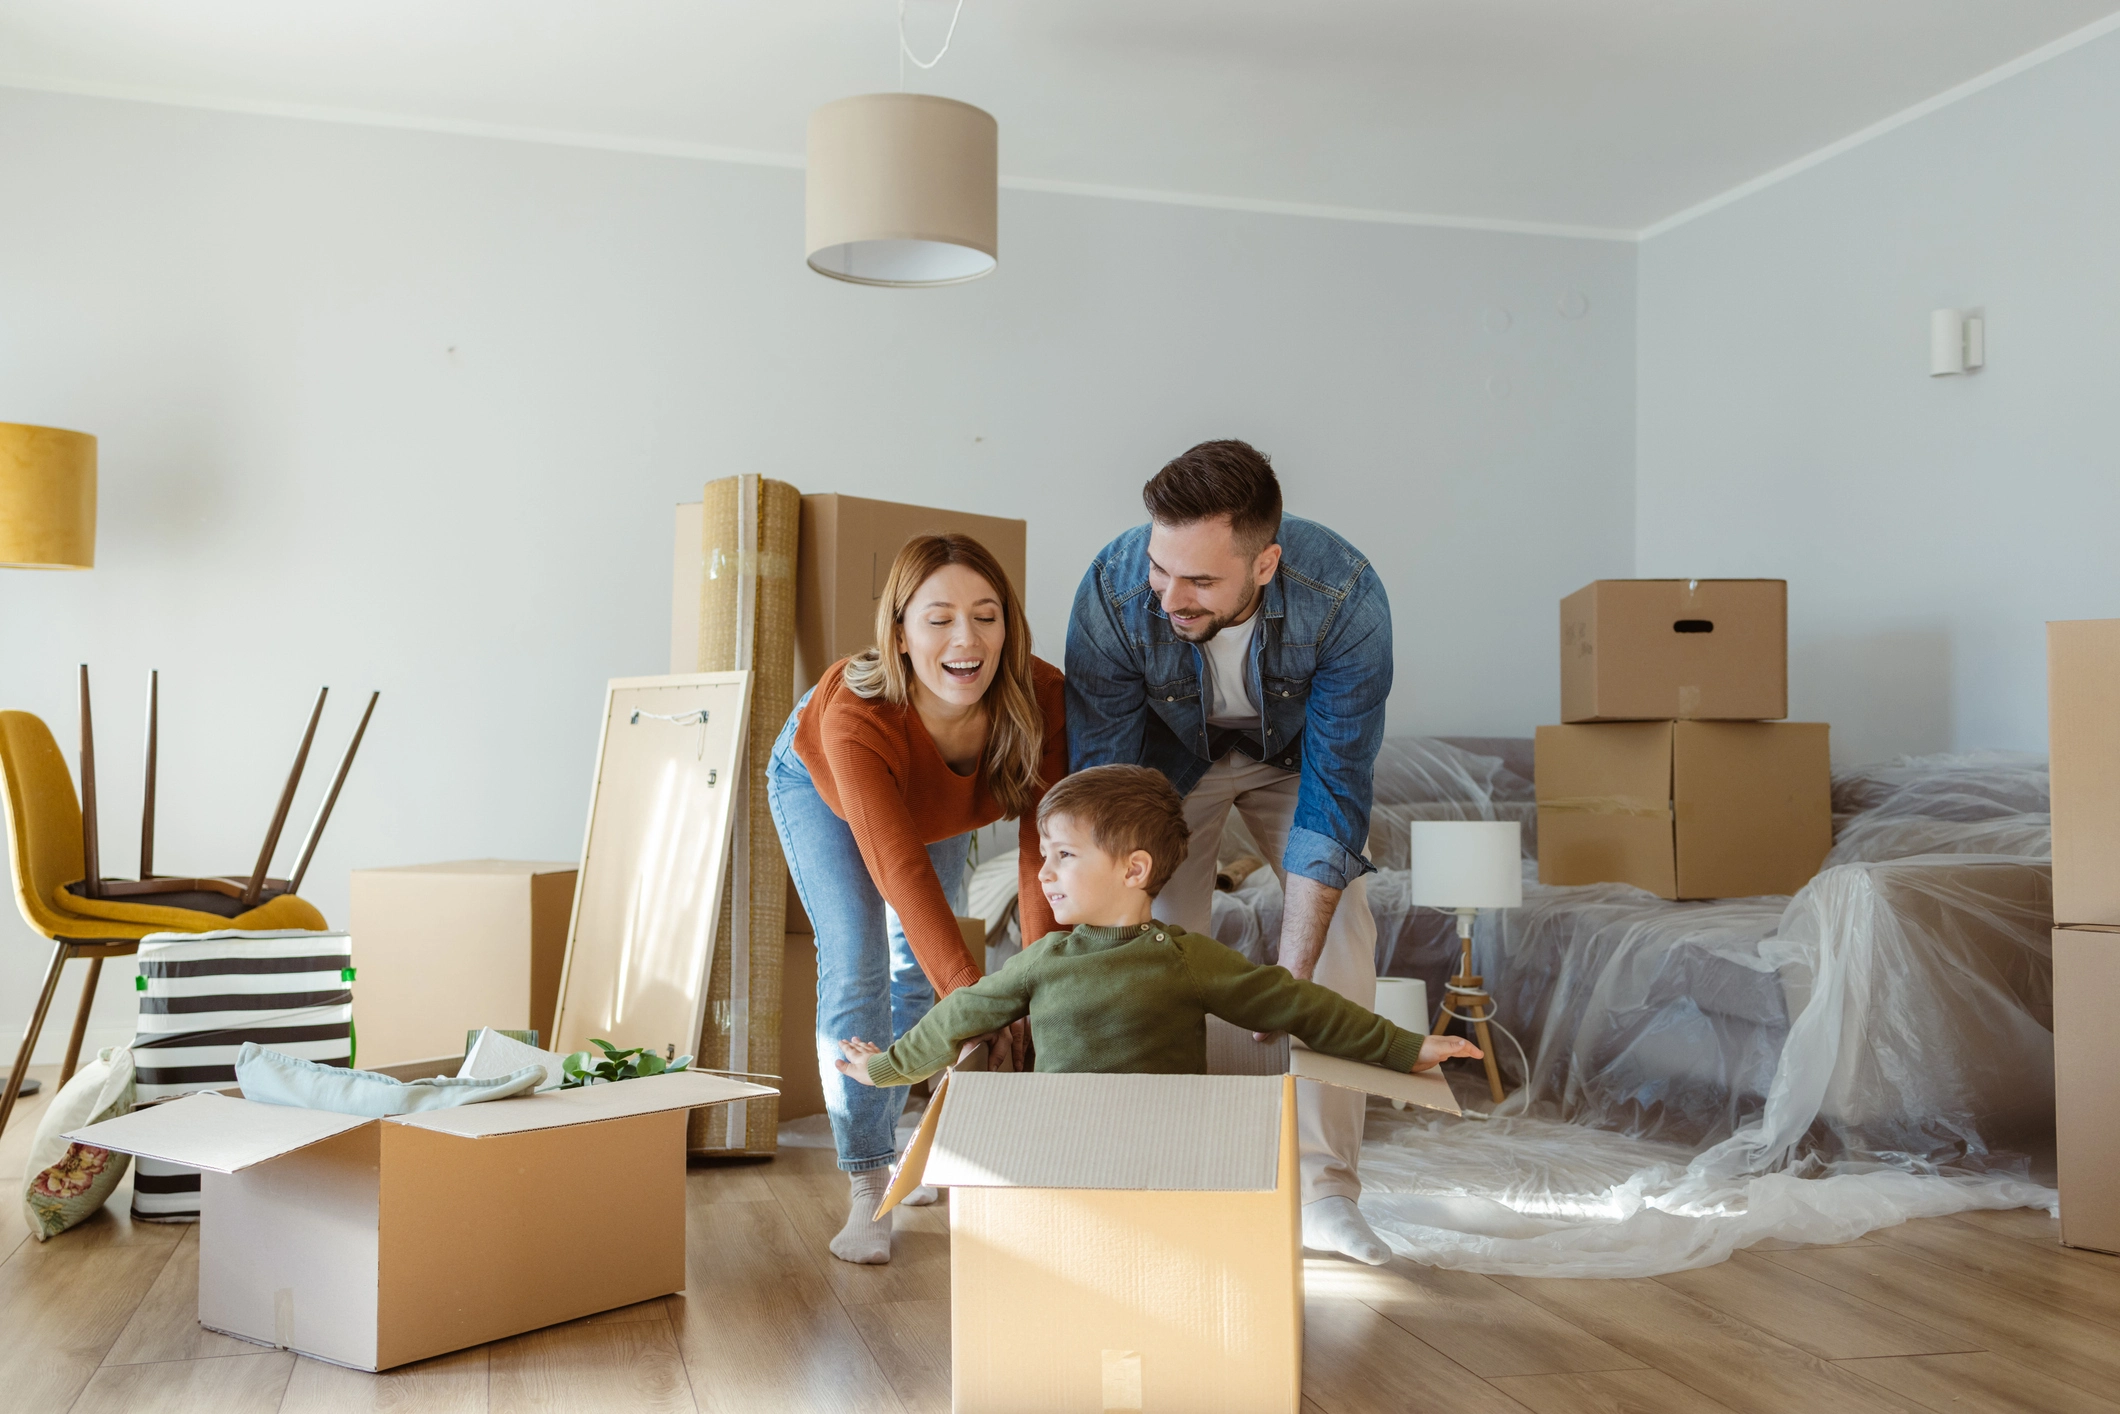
(905, 53)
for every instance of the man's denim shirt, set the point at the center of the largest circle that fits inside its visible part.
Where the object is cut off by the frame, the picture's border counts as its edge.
(1320, 671)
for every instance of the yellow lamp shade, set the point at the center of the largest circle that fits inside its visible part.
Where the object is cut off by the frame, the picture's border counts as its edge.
(47, 498)
(901, 189)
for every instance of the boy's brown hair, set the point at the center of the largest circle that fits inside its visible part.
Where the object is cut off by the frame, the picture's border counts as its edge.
(1125, 808)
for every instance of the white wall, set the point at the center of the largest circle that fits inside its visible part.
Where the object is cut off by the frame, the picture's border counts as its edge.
(1788, 425)
(396, 410)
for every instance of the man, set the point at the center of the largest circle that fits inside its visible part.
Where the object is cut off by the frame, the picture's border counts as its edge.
(1247, 657)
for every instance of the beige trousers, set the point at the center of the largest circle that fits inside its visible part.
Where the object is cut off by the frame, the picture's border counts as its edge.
(1328, 1119)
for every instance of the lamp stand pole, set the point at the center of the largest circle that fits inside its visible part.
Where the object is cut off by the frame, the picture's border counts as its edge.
(1465, 999)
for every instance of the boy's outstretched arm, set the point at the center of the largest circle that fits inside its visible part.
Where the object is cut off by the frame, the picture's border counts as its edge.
(1269, 999)
(987, 1005)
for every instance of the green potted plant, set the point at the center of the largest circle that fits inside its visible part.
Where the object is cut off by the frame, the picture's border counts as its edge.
(589, 1068)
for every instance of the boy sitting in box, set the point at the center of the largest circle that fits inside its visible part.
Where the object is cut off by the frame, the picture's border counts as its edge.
(1121, 992)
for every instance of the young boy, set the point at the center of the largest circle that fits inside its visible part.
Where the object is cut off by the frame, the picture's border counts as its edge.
(1122, 992)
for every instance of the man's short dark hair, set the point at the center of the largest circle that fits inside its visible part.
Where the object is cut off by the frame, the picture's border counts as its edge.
(1125, 808)
(1216, 479)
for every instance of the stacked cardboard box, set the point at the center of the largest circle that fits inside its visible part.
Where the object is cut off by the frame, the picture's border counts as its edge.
(2083, 707)
(1670, 772)
(447, 948)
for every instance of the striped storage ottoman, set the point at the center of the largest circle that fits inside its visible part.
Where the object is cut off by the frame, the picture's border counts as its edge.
(202, 995)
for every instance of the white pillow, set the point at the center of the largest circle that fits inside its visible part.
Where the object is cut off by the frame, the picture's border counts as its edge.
(65, 1181)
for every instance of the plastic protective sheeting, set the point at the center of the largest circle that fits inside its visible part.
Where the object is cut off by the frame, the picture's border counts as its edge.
(1872, 839)
(1704, 1076)
(1427, 778)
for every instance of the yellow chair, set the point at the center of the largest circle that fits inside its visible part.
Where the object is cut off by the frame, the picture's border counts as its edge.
(45, 849)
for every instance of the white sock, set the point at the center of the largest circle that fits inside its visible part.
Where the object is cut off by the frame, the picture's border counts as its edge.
(921, 1197)
(1337, 1225)
(864, 1239)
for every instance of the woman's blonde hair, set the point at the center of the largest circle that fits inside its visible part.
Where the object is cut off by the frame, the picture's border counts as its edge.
(1016, 728)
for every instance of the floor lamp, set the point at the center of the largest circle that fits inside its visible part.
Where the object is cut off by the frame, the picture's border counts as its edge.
(47, 511)
(1461, 867)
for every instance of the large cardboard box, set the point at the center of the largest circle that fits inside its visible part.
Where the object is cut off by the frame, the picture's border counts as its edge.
(801, 1083)
(376, 1242)
(2087, 1084)
(843, 557)
(2083, 730)
(448, 948)
(1675, 650)
(1685, 809)
(1126, 1242)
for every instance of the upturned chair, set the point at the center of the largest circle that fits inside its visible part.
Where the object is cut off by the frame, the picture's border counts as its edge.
(58, 885)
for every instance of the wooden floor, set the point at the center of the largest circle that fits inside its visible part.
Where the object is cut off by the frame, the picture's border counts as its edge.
(1975, 1313)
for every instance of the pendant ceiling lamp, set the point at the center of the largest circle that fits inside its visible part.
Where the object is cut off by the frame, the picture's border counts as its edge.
(902, 187)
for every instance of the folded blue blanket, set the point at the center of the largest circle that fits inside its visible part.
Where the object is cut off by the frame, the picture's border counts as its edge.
(271, 1078)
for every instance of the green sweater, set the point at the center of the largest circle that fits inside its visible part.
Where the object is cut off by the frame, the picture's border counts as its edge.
(1136, 1000)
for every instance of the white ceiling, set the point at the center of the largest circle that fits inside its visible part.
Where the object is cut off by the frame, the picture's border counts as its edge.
(1605, 114)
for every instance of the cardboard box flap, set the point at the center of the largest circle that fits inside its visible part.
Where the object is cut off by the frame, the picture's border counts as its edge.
(216, 1133)
(1168, 1133)
(1232, 1051)
(1429, 1089)
(911, 1171)
(555, 1109)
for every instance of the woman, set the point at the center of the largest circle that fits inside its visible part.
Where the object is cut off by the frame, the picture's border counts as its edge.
(883, 770)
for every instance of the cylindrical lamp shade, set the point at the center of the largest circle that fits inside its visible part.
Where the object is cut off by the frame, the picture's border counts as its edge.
(901, 190)
(1466, 863)
(47, 498)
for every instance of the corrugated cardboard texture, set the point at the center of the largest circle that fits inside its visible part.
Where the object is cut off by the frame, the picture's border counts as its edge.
(1429, 1090)
(847, 546)
(2087, 1085)
(446, 948)
(1685, 809)
(1072, 1300)
(588, 1104)
(2083, 731)
(1190, 1133)
(1754, 804)
(1671, 649)
(288, 1251)
(1232, 1051)
(486, 1240)
(216, 1133)
(1604, 806)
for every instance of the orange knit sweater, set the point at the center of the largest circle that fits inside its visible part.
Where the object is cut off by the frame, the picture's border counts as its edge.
(879, 771)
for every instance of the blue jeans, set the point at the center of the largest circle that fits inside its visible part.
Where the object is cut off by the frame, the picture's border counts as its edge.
(868, 984)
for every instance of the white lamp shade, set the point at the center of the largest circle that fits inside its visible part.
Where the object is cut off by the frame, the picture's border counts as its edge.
(902, 189)
(1466, 863)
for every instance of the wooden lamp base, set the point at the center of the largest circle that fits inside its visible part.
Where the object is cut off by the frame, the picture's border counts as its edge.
(1465, 1000)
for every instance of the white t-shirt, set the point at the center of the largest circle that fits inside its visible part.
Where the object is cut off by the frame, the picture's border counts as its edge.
(1228, 653)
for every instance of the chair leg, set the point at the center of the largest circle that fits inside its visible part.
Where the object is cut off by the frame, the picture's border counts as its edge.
(29, 1037)
(88, 1000)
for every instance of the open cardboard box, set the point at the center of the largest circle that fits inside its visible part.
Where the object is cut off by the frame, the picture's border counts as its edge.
(1122, 1242)
(375, 1242)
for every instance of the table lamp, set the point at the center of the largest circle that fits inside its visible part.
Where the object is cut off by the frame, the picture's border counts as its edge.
(1461, 867)
(47, 511)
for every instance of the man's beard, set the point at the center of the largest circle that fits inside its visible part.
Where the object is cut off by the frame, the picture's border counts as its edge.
(1219, 622)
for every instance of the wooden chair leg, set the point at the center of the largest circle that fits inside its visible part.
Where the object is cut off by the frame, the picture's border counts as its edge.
(29, 1037)
(88, 1000)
